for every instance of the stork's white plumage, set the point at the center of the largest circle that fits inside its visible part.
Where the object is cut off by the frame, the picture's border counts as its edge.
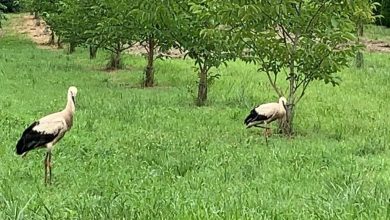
(266, 113)
(47, 131)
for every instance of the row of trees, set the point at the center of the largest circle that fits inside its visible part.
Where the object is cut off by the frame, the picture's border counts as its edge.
(296, 40)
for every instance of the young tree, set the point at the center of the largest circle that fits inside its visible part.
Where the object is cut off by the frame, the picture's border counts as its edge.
(155, 22)
(297, 40)
(115, 31)
(35, 6)
(74, 20)
(51, 13)
(207, 51)
(362, 14)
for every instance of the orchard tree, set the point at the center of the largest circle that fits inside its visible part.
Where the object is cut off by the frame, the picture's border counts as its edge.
(155, 22)
(77, 22)
(36, 7)
(362, 14)
(207, 51)
(51, 13)
(115, 31)
(295, 40)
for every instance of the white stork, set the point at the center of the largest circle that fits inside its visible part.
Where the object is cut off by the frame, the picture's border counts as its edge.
(47, 131)
(265, 114)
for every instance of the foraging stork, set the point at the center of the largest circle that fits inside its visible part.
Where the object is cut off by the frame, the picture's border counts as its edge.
(47, 131)
(265, 114)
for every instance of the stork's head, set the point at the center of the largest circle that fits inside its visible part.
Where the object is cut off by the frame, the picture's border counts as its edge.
(72, 92)
(283, 101)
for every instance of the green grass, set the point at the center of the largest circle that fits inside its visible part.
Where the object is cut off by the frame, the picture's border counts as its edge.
(151, 154)
(377, 32)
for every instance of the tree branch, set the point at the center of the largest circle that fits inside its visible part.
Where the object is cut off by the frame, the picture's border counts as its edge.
(314, 16)
(298, 9)
(305, 82)
(303, 90)
(109, 49)
(285, 32)
(127, 47)
(273, 84)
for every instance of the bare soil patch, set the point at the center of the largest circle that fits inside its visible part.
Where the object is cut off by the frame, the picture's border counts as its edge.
(34, 29)
(139, 49)
(377, 46)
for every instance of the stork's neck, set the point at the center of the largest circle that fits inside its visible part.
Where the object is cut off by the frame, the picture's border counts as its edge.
(70, 106)
(283, 105)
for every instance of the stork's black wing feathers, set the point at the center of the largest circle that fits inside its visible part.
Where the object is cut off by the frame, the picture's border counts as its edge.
(32, 139)
(254, 116)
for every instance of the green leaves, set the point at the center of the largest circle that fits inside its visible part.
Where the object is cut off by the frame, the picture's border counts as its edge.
(198, 31)
(310, 38)
(305, 39)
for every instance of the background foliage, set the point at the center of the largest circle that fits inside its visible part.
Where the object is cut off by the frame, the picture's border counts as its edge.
(384, 10)
(12, 5)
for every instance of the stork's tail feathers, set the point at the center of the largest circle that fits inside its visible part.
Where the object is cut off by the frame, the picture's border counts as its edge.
(32, 139)
(251, 117)
(254, 118)
(23, 146)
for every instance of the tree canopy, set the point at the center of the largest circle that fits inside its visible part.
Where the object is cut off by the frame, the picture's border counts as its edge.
(207, 51)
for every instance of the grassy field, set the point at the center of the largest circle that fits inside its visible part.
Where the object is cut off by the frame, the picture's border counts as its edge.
(151, 154)
(377, 33)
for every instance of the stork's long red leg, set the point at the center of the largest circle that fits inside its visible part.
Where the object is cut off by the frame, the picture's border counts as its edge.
(269, 132)
(265, 136)
(50, 167)
(45, 162)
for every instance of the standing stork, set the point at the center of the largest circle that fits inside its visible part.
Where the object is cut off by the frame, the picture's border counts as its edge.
(265, 114)
(47, 131)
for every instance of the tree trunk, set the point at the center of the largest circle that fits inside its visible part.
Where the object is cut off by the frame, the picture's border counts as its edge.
(202, 87)
(92, 52)
(37, 21)
(72, 47)
(359, 55)
(359, 60)
(59, 44)
(36, 16)
(149, 71)
(286, 125)
(52, 38)
(115, 60)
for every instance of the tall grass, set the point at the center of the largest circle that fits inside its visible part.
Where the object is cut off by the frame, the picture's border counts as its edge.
(151, 154)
